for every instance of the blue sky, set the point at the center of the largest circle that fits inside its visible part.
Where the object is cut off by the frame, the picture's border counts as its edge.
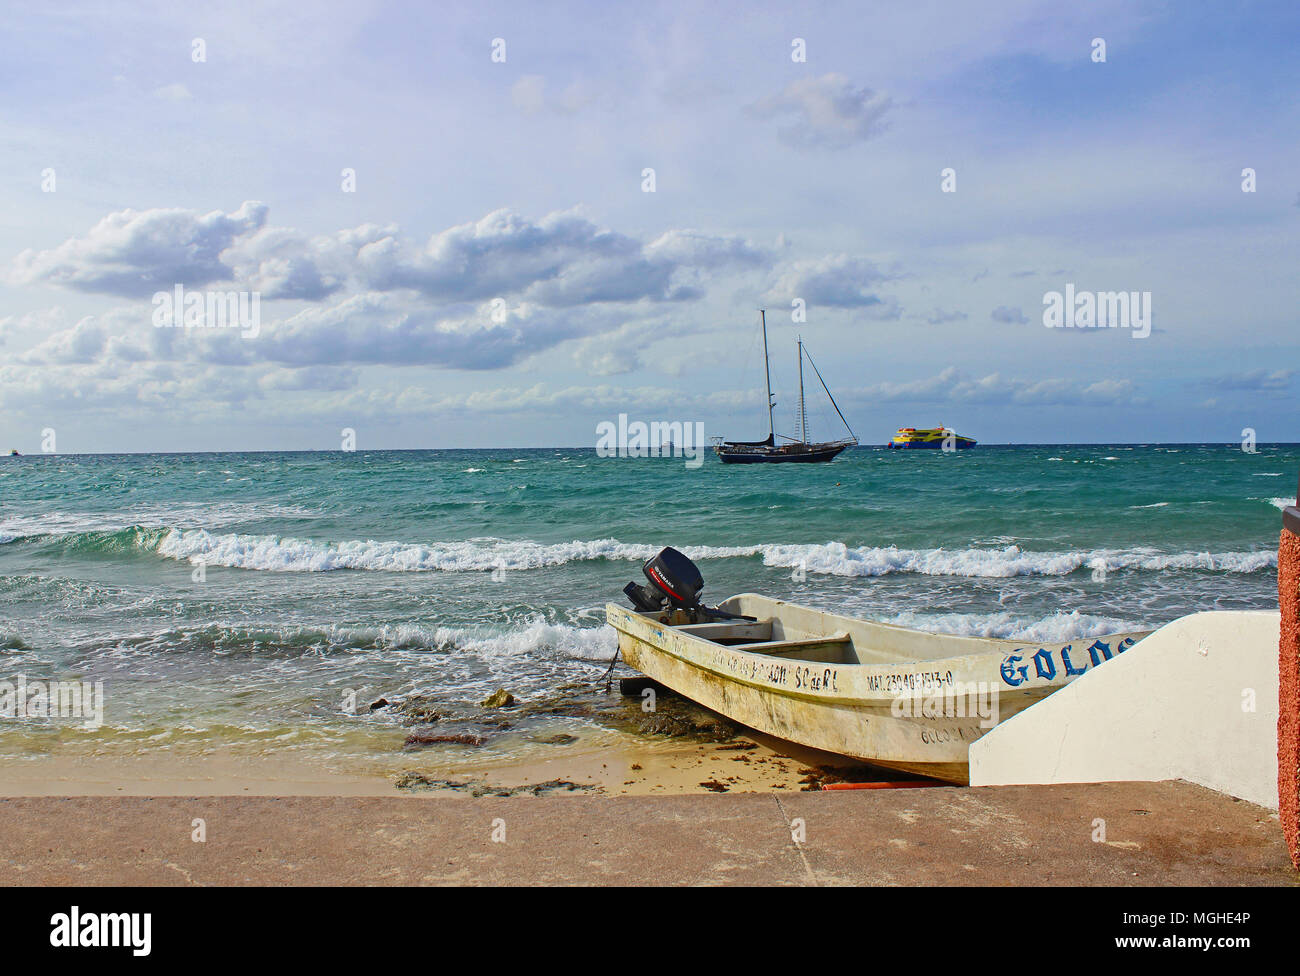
(500, 278)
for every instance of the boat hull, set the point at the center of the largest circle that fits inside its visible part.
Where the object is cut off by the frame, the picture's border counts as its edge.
(895, 698)
(808, 457)
(929, 438)
(961, 444)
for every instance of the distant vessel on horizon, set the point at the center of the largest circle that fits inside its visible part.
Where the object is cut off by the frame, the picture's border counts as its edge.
(929, 437)
(798, 449)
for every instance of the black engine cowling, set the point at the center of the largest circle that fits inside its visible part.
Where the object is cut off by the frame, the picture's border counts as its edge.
(674, 580)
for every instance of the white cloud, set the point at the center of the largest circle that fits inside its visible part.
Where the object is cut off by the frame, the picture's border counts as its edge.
(173, 93)
(136, 253)
(940, 317)
(280, 263)
(83, 343)
(390, 329)
(1254, 381)
(1009, 315)
(827, 111)
(836, 281)
(118, 333)
(332, 378)
(541, 399)
(562, 259)
(955, 387)
(530, 96)
(42, 321)
(479, 295)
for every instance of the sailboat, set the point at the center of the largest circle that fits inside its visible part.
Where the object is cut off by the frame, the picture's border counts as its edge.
(768, 451)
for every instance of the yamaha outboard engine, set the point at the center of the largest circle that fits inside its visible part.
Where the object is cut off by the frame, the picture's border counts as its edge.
(675, 581)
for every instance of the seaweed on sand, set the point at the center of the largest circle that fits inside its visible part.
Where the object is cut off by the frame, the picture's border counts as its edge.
(418, 781)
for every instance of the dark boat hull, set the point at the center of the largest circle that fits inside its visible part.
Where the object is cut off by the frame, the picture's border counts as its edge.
(961, 444)
(767, 455)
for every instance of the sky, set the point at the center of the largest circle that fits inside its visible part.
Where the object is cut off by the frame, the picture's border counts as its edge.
(500, 225)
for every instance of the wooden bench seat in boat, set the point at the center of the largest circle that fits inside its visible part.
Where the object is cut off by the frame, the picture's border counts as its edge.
(763, 637)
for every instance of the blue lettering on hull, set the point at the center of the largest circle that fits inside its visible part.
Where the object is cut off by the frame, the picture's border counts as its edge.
(1015, 666)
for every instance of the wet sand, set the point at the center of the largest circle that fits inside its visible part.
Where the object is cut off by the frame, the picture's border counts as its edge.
(746, 764)
(578, 739)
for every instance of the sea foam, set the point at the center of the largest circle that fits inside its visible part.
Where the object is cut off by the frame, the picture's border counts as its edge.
(17, 527)
(1060, 626)
(837, 559)
(279, 554)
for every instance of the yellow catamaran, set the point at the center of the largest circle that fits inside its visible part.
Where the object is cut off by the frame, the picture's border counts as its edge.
(939, 438)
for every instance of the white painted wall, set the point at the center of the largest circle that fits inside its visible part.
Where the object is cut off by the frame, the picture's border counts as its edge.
(1169, 708)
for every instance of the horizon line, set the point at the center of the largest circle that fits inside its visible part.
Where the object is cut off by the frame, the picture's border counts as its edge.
(560, 447)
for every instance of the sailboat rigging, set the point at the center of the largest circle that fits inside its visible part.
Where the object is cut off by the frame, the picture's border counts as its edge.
(798, 449)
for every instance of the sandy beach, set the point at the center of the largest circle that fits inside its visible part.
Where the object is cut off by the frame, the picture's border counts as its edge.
(746, 763)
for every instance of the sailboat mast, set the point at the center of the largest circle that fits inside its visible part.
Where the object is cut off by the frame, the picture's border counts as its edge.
(803, 413)
(767, 374)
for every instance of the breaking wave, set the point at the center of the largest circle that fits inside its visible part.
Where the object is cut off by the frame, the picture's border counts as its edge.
(278, 554)
(75, 526)
(537, 636)
(1060, 626)
(839, 560)
(532, 636)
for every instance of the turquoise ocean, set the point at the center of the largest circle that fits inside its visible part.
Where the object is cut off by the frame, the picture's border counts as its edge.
(238, 600)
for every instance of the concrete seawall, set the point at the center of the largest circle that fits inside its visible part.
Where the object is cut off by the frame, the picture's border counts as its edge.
(1197, 701)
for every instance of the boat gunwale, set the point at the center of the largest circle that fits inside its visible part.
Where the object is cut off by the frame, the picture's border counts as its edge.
(898, 628)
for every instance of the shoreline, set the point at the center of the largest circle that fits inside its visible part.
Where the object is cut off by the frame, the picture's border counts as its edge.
(748, 763)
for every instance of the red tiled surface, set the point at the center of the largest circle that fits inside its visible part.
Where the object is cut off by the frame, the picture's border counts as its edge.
(1288, 720)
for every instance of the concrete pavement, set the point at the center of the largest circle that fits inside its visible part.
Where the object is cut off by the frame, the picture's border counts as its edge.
(1108, 834)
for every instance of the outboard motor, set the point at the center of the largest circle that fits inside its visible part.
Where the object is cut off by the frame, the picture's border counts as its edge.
(675, 581)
